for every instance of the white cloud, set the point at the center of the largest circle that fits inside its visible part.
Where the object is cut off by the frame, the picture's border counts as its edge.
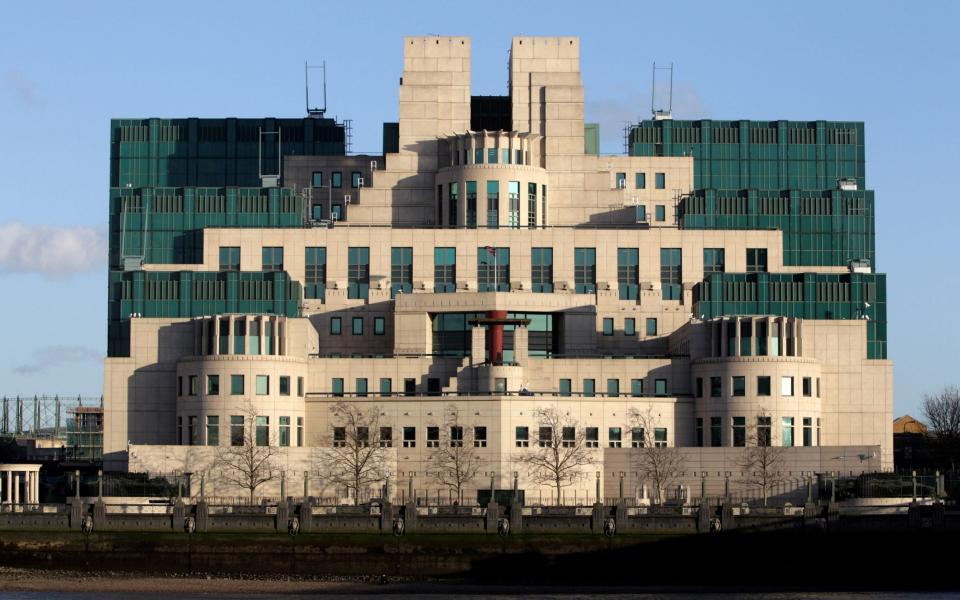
(55, 252)
(49, 357)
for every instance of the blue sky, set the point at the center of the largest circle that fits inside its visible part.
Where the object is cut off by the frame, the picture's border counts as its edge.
(67, 68)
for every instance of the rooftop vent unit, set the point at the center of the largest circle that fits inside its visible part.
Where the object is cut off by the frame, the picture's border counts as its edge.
(847, 184)
(861, 265)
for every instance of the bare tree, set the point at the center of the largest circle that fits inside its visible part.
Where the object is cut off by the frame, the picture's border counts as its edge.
(353, 454)
(244, 462)
(560, 455)
(455, 461)
(656, 462)
(761, 462)
(942, 412)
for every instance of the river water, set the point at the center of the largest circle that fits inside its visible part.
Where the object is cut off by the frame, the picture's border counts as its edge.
(518, 596)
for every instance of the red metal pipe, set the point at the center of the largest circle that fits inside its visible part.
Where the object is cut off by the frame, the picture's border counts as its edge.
(495, 336)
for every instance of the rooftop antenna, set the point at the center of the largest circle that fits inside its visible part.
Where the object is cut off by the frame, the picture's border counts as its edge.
(315, 112)
(661, 113)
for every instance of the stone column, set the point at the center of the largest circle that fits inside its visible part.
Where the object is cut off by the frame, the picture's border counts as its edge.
(736, 336)
(8, 490)
(16, 488)
(230, 334)
(36, 487)
(216, 335)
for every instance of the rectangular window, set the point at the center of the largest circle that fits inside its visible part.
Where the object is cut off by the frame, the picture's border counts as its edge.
(522, 437)
(478, 156)
(315, 273)
(284, 385)
(564, 387)
(746, 337)
(699, 387)
(660, 437)
(807, 431)
(355, 179)
(630, 326)
(213, 385)
(358, 272)
(229, 258)
(541, 267)
(193, 431)
(641, 214)
(763, 385)
(239, 336)
(637, 438)
(699, 432)
(585, 270)
(493, 269)
(589, 388)
(660, 387)
(401, 271)
(621, 180)
(761, 338)
(317, 179)
(545, 437)
(378, 326)
(818, 431)
(194, 385)
(714, 261)
(180, 385)
(386, 386)
(715, 432)
(628, 273)
(592, 437)
(336, 325)
(756, 260)
(361, 386)
(409, 386)
(493, 204)
(299, 432)
(636, 387)
(471, 204)
(263, 431)
(491, 156)
(433, 437)
(651, 326)
(409, 437)
(660, 212)
(300, 386)
(807, 383)
(479, 437)
(357, 325)
(613, 387)
(532, 205)
(272, 258)
(336, 179)
(715, 383)
(236, 385)
(763, 431)
(513, 199)
(386, 437)
(661, 181)
(739, 385)
(254, 337)
(607, 326)
(453, 199)
(671, 273)
(213, 430)
(739, 431)
(614, 435)
(236, 430)
(786, 386)
(568, 437)
(339, 437)
(787, 436)
(640, 181)
(263, 385)
(505, 156)
(336, 385)
(444, 270)
(284, 431)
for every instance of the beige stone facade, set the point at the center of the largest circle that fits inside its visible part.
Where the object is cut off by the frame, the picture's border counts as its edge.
(599, 356)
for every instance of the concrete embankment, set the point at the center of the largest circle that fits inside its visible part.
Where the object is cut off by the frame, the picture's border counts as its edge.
(782, 559)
